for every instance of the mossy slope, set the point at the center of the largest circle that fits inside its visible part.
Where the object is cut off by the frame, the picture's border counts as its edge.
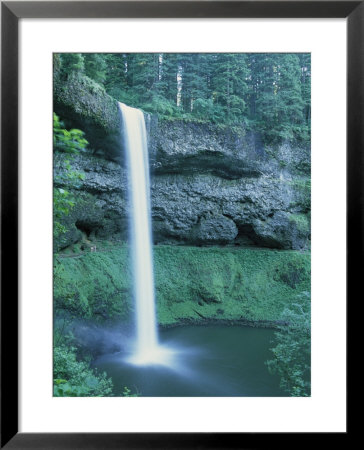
(192, 283)
(93, 285)
(227, 283)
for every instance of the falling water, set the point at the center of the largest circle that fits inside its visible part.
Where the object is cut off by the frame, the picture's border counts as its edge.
(148, 350)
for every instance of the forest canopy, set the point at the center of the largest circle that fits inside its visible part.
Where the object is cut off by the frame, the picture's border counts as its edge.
(265, 92)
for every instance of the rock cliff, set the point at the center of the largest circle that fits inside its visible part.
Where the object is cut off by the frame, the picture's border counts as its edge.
(210, 185)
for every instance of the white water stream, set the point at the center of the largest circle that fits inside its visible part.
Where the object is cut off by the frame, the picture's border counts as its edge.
(147, 349)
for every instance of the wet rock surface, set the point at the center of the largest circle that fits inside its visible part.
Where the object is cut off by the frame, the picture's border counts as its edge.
(244, 195)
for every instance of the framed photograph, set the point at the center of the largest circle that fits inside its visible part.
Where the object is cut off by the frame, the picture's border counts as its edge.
(178, 213)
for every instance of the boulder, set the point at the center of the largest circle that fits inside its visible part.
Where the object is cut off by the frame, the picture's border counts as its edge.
(84, 104)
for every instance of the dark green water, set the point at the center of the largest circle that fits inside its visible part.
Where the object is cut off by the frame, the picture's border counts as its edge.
(209, 361)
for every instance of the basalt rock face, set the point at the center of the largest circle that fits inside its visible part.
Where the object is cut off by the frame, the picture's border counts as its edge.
(209, 187)
(100, 206)
(176, 147)
(189, 148)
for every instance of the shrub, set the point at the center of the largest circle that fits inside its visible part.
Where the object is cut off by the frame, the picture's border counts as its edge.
(293, 349)
(71, 142)
(74, 378)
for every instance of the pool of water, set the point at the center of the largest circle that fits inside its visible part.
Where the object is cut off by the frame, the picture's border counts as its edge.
(216, 361)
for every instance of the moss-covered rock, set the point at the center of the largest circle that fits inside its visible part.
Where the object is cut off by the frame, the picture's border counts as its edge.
(301, 200)
(227, 283)
(192, 284)
(84, 104)
(93, 285)
(301, 221)
(284, 230)
(91, 216)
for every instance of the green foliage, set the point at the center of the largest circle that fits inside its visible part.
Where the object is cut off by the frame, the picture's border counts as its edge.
(266, 92)
(160, 105)
(275, 97)
(95, 66)
(302, 188)
(62, 203)
(230, 85)
(229, 283)
(70, 62)
(127, 393)
(291, 354)
(204, 109)
(301, 221)
(94, 284)
(191, 283)
(70, 142)
(74, 378)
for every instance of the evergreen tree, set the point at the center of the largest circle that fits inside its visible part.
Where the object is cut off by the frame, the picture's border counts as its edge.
(230, 85)
(268, 93)
(305, 62)
(95, 66)
(186, 73)
(71, 62)
(168, 74)
(115, 77)
(275, 95)
(266, 75)
(290, 103)
(142, 74)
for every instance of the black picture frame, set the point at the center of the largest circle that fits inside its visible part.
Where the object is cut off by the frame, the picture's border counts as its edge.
(11, 12)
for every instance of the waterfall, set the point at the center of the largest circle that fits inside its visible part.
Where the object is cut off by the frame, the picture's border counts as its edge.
(148, 350)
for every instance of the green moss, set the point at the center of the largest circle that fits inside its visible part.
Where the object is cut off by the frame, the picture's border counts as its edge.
(302, 193)
(227, 283)
(301, 221)
(93, 284)
(85, 97)
(192, 283)
(303, 184)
